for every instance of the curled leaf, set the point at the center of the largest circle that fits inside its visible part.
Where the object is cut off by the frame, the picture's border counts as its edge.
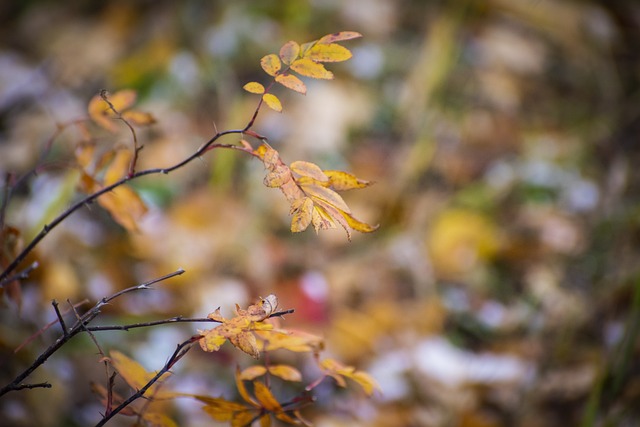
(341, 36)
(309, 169)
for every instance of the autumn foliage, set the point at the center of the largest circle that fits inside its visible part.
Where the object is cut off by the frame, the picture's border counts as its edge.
(105, 174)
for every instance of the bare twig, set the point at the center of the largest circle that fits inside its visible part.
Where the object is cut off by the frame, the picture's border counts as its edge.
(21, 275)
(136, 147)
(79, 326)
(207, 146)
(181, 350)
(54, 303)
(30, 386)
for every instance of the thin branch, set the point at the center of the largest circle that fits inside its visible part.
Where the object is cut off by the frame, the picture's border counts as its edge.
(21, 275)
(136, 148)
(177, 319)
(181, 350)
(45, 328)
(5, 199)
(54, 303)
(90, 198)
(146, 285)
(30, 386)
(79, 326)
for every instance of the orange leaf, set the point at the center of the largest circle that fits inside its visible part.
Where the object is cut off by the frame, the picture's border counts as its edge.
(136, 376)
(266, 398)
(309, 68)
(289, 52)
(286, 372)
(125, 206)
(341, 36)
(139, 118)
(118, 167)
(158, 419)
(328, 53)
(272, 102)
(102, 114)
(291, 82)
(242, 390)
(253, 372)
(296, 341)
(254, 87)
(271, 64)
(122, 99)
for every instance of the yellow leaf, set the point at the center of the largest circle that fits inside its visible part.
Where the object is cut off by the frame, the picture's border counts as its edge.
(321, 219)
(242, 390)
(246, 342)
(336, 214)
(254, 87)
(102, 114)
(309, 169)
(122, 99)
(271, 64)
(327, 195)
(341, 36)
(291, 82)
(125, 207)
(136, 376)
(289, 52)
(84, 155)
(359, 225)
(139, 118)
(296, 341)
(328, 53)
(265, 421)
(118, 167)
(277, 178)
(272, 102)
(302, 213)
(216, 315)
(366, 381)
(286, 372)
(265, 397)
(157, 419)
(341, 181)
(220, 409)
(212, 340)
(253, 372)
(309, 68)
(337, 370)
(242, 419)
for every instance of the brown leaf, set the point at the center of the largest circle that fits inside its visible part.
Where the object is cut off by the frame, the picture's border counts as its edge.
(289, 52)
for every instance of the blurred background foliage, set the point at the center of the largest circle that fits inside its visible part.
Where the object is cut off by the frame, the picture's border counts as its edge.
(502, 288)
